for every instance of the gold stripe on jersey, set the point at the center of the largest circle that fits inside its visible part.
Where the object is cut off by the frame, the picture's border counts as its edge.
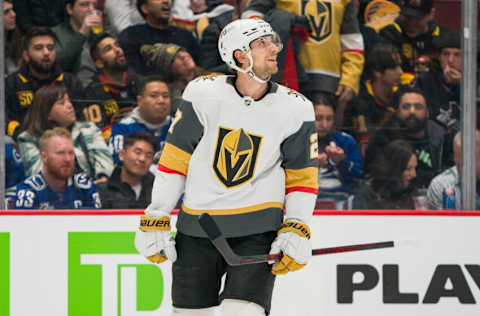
(397, 27)
(306, 178)
(234, 211)
(174, 158)
(11, 127)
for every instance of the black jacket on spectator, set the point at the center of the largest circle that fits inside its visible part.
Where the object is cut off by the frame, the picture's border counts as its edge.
(209, 55)
(433, 151)
(134, 37)
(105, 102)
(39, 13)
(116, 194)
(367, 199)
(410, 48)
(443, 99)
(20, 87)
(366, 106)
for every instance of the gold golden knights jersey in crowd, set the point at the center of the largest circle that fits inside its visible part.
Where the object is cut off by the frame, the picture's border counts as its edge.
(240, 160)
(333, 52)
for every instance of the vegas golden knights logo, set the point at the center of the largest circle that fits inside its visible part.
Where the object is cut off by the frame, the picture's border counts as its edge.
(319, 15)
(235, 156)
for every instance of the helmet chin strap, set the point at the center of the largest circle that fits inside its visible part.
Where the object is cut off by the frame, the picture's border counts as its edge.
(250, 71)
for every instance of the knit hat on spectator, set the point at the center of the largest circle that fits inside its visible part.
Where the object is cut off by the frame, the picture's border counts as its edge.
(417, 8)
(448, 39)
(159, 57)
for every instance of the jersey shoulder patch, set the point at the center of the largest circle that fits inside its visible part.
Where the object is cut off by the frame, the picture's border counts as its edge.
(292, 95)
(36, 183)
(296, 103)
(81, 181)
(198, 88)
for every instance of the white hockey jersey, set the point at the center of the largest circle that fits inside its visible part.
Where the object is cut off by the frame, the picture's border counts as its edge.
(240, 160)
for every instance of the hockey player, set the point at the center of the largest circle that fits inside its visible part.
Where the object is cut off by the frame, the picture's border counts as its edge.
(244, 149)
(56, 186)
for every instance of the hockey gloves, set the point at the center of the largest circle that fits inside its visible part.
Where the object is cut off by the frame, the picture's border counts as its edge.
(293, 242)
(154, 240)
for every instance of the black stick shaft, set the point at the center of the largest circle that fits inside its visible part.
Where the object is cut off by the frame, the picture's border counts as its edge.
(220, 242)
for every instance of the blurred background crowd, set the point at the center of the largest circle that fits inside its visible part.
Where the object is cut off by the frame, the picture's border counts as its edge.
(92, 86)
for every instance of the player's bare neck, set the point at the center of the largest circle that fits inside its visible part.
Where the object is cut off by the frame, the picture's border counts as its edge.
(249, 87)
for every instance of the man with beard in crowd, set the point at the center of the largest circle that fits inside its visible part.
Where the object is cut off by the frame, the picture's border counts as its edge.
(411, 122)
(114, 89)
(56, 186)
(39, 70)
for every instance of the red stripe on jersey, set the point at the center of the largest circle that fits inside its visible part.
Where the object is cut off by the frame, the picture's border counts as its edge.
(168, 170)
(301, 189)
(359, 51)
(182, 21)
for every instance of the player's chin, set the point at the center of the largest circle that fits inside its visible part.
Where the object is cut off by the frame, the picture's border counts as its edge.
(273, 69)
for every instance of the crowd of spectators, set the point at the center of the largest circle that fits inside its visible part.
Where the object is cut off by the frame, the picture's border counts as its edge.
(92, 87)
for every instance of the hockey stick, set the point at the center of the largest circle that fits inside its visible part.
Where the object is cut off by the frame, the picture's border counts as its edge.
(220, 242)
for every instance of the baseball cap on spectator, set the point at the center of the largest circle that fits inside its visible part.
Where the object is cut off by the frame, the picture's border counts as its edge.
(417, 8)
(160, 56)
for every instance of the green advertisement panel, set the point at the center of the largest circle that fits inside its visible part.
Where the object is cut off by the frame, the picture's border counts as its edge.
(4, 274)
(95, 279)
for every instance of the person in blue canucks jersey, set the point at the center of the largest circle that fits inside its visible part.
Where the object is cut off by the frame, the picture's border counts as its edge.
(14, 166)
(151, 115)
(56, 186)
(340, 161)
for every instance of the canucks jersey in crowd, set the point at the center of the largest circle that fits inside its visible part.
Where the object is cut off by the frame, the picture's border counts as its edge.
(341, 178)
(134, 123)
(34, 193)
(14, 167)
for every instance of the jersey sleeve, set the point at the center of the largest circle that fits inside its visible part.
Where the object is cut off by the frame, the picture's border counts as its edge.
(183, 136)
(351, 41)
(90, 196)
(30, 151)
(116, 140)
(300, 162)
(351, 168)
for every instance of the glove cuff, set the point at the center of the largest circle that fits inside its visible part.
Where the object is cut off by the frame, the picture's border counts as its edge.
(154, 223)
(296, 227)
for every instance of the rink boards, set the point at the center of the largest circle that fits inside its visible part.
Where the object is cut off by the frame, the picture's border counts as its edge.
(82, 263)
